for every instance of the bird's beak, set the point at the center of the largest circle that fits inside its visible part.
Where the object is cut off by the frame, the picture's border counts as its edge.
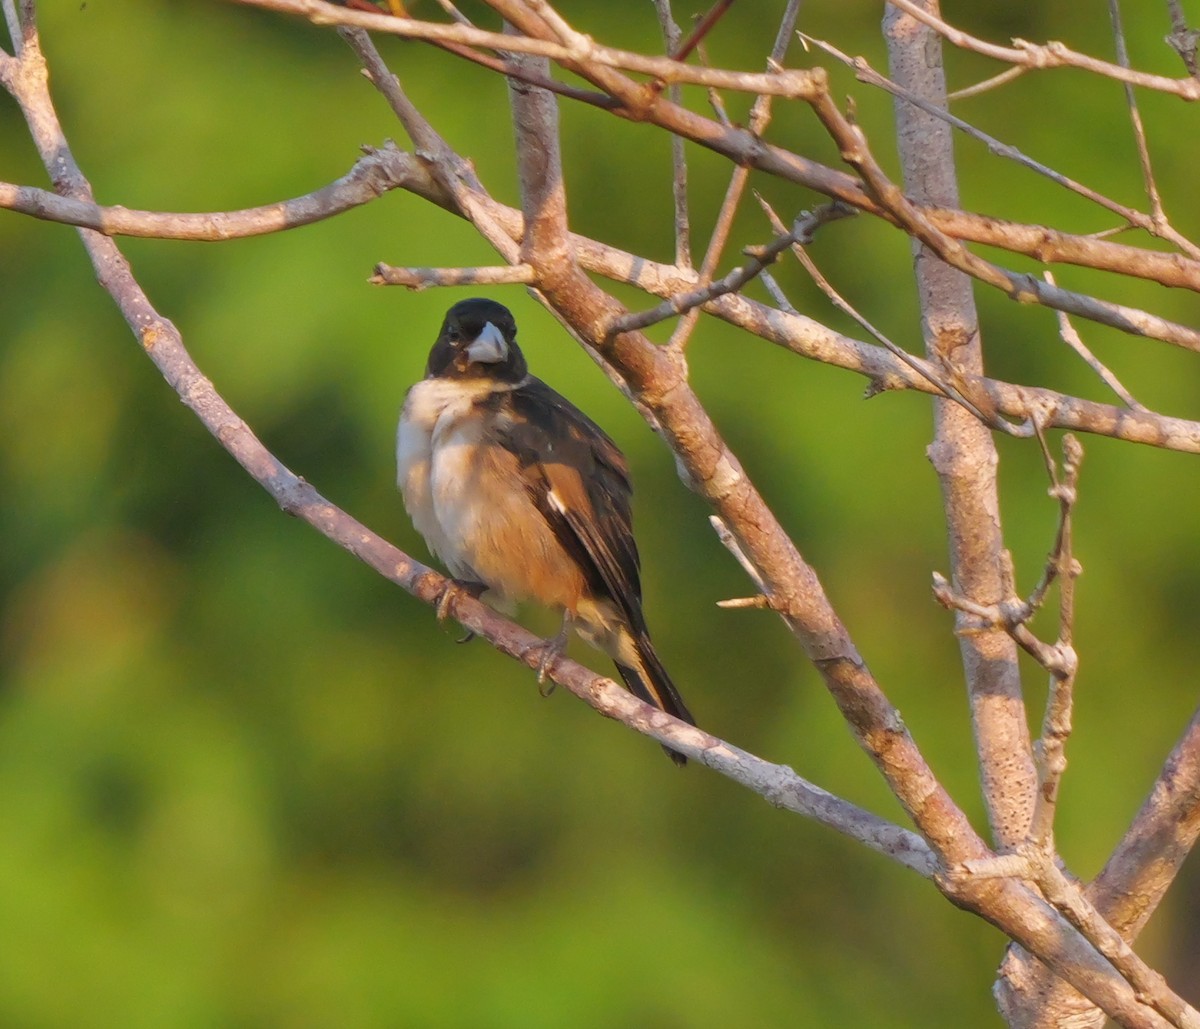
(489, 347)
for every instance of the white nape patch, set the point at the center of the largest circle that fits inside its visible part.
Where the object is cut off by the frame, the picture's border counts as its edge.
(489, 347)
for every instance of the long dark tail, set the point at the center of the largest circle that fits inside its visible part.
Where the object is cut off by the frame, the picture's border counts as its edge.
(649, 681)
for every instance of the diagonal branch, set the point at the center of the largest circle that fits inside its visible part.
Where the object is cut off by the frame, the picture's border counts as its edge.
(162, 342)
(578, 48)
(655, 377)
(744, 148)
(809, 338)
(1050, 55)
(1022, 288)
(1152, 222)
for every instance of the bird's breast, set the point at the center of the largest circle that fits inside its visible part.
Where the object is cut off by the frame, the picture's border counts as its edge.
(431, 407)
(466, 495)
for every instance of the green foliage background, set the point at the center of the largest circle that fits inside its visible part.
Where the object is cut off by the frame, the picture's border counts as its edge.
(245, 782)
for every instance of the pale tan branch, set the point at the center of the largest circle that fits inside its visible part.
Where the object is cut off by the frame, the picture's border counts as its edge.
(163, 343)
(962, 451)
(1072, 338)
(422, 278)
(1023, 288)
(580, 48)
(1125, 893)
(372, 175)
(1182, 39)
(1038, 866)
(1050, 55)
(808, 338)
(1135, 119)
(994, 82)
(1152, 223)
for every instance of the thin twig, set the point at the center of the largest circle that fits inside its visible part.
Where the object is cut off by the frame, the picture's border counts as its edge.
(760, 119)
(1020, 287)
(702, 28)
(1135, 118)
(795, 83)
(1056, 723)
(760, 258)
(1153, 223)
(1072, 338)
(1005, 77)
(730, 542)
(803, 231)
(679, 170)
(1049, 55)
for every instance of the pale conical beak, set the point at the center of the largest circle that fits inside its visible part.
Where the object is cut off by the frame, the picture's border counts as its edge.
(489, 347)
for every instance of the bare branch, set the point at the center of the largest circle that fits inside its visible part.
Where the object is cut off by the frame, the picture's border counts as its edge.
(373, 175)
(945, 385)
(760, 118)
(808, 338)
(162, 342)
(760, 258)
(963, 453)
(1056, 723)
(1124, 894)
(422, 278)
(994, 82)
(1069, 336)
(1183, 39)
(1021, 288)
(1050, 55)
(656, 377)
(1038, 866)
(1039, 242)
(579, 48)
(1135, 118)
(683, 231)
(1153, 222)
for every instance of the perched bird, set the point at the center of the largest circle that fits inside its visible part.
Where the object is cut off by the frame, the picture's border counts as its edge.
(518, 491)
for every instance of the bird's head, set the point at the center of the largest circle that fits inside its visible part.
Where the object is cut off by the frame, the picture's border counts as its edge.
(478, 341)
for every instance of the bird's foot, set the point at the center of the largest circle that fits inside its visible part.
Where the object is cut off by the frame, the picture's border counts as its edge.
(552, 650)
(450, 592)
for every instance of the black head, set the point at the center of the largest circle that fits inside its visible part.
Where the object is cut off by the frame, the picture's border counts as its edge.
(478, 341)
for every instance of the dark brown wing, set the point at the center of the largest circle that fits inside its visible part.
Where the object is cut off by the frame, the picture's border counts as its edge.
(579, 481)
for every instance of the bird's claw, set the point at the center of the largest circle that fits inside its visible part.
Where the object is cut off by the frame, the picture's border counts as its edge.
(552, 650)
(450, 592)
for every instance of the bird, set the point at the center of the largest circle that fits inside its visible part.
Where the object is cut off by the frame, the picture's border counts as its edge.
(524, 498)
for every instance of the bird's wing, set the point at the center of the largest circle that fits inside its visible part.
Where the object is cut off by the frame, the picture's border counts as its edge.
(579, 481)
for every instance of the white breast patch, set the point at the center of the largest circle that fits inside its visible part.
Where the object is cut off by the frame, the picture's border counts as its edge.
(431, 409)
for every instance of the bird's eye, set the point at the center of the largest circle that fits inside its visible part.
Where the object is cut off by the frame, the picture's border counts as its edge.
(453, 335)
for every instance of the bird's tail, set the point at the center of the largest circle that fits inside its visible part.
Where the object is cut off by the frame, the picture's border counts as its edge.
(647, 680)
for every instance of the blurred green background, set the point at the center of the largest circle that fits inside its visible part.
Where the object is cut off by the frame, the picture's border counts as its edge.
(248, 783)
